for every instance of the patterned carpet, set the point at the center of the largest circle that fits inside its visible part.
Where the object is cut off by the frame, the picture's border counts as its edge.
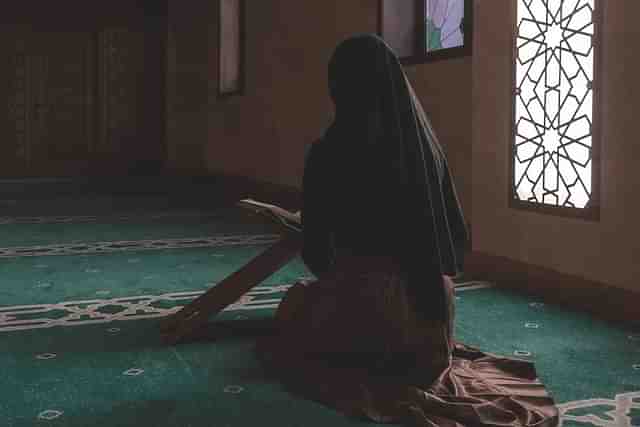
(81, 295)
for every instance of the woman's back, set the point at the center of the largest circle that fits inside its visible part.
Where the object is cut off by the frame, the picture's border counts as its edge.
(373, 336)
(361, 210)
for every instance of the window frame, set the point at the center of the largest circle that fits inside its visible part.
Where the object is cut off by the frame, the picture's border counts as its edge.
(420, 54)
(592, 211)
(240, 88)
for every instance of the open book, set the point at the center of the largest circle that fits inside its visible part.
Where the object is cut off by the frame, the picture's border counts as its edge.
(282, 217)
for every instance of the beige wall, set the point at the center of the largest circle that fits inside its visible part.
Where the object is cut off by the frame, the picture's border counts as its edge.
(262, 133)
(444, 88)
(603, 250)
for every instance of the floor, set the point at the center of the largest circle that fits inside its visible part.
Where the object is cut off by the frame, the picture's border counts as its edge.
(86, 276)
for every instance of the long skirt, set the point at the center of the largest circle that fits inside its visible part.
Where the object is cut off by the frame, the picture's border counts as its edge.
(352, 341)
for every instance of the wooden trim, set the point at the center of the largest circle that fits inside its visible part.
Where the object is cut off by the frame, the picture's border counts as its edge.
(420, 10)
(451, 53)
(589, 213)
(569, 291)
(596, 131)
(592, 211)
(468, 25)
(513, 16)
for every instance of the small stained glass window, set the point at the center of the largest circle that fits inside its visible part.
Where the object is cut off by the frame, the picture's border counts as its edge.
(427, 30)
(444, 21)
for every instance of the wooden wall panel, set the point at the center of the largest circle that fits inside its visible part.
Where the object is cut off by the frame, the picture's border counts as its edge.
(14, 111)
(90, 96)
(61, 78)
(120, 74)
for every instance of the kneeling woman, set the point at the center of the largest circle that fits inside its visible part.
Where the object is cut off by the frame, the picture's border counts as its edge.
(374, 336)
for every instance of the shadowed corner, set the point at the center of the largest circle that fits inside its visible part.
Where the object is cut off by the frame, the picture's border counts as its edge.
(112, 337)
(235, 329)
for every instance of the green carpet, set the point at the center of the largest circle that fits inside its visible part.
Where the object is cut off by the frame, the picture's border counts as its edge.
(138, 227)
(79, 340)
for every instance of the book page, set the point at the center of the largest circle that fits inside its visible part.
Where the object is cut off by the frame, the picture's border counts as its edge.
(279, 215)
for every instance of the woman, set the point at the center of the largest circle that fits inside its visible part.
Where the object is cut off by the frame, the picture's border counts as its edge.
(373, 337)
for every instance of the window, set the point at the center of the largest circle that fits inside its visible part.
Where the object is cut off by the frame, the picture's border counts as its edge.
(426, 30)
(554, 164)
(444, 24)
(231, 47)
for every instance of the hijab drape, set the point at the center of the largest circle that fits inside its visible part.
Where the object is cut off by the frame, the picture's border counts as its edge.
(381, 127)
(376, 189)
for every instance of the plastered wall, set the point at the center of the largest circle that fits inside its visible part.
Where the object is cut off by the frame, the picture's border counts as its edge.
(606, 250)
(285, 106)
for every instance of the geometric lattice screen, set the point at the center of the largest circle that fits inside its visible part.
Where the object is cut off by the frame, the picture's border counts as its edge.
(552, 151)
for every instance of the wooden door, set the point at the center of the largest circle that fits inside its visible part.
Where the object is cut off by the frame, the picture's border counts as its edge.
(82, 93)
(15, 104)
(120, 74)
(62, 102)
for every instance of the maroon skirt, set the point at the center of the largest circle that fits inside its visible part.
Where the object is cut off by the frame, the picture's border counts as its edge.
(352, 341)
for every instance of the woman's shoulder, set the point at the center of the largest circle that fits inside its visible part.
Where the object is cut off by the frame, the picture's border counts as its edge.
(319, 164)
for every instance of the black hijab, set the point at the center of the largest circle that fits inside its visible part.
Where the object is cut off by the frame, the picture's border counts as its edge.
(378, 114)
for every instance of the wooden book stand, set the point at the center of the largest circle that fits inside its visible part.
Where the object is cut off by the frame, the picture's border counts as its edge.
(197, 313)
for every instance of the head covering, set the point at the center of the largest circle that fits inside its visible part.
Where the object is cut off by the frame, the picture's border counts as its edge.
(378, 113)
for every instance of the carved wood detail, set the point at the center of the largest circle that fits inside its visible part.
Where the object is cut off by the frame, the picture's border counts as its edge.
(61, 102)
(14, 120)
(121, 66)
(81, 98)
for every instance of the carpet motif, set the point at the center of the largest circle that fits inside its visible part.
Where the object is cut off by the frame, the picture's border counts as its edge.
(78, 219)
(75, 313)
(622, 411)
(138, 245)
(85, 312)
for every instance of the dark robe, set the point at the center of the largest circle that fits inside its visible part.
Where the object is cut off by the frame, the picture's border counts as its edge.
(374, 336)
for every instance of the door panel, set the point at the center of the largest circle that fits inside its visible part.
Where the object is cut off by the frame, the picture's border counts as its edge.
(62, 102)
(83, 93)
(121, 62)
(14, 105)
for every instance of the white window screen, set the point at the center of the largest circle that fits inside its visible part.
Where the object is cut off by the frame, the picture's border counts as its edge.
(552, 151)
